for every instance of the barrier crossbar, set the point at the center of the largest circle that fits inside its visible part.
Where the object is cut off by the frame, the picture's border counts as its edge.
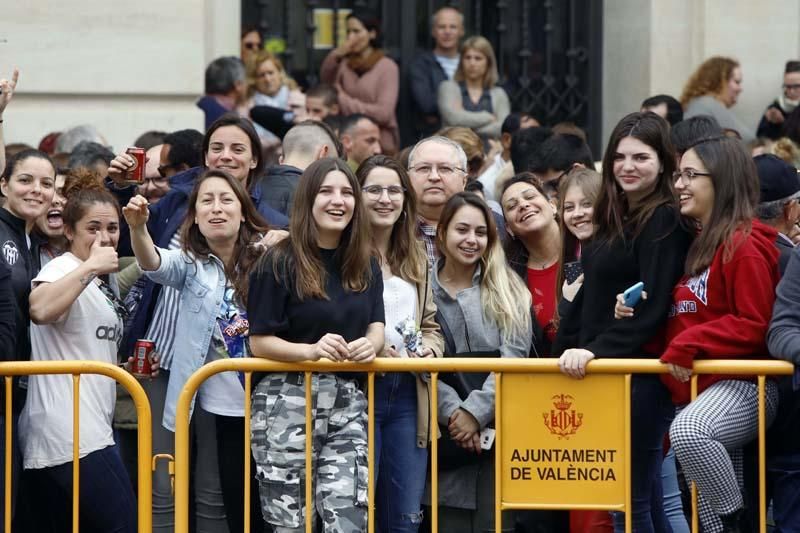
(76, 369)
(433, 367)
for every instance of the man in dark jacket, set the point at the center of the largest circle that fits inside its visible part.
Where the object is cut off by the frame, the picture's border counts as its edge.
(778, 203)
(302, 145)
(430, 68)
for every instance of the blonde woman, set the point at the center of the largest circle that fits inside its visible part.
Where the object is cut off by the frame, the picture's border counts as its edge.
(483, 309)
(472, 98)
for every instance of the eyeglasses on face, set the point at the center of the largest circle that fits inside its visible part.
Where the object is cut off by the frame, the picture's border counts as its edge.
(688, 175)
(444, 171)
(252, 46)
(792, 87)
(374, 192)
(161, 181)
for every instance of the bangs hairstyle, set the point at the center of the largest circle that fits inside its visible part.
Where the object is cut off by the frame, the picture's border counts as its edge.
(480, 44)
(252, 228)
(504, 297)
(736, 193)
(515, 250)
(589, 182)
(709, 78)
(405, 257)
(298, 256)
(244, 124)
(612, 213)
(82, 189)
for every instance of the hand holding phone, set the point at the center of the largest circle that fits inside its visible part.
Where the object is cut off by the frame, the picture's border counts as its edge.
(633, 294)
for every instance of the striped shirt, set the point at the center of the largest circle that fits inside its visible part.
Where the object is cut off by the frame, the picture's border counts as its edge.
(162, 326)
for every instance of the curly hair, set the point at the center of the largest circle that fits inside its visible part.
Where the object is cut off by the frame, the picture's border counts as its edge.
(709, 78)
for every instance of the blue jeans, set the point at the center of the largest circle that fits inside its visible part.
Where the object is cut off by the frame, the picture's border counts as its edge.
(783, 472)
(673, 506)
(651, 414)
(400, 465)
(107, 502)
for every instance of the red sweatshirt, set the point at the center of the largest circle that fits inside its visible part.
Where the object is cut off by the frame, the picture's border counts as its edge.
(724, 312)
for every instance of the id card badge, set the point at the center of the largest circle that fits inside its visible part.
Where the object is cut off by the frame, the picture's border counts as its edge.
(487, 438)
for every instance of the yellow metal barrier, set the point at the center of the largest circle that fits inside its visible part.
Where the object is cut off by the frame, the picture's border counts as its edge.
(624, 367)
(76, 369)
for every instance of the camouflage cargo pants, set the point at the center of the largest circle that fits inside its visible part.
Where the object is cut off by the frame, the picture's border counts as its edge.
(340, 472)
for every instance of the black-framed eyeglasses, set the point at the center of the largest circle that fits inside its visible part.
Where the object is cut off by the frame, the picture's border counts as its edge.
(688, 175)
(252, 46)
(374, 192)
(160, 181)
(792, 87)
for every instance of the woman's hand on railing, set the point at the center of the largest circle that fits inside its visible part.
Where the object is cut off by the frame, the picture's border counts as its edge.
(361, 350)
(330, 346)
(680, 373)
(573, 362)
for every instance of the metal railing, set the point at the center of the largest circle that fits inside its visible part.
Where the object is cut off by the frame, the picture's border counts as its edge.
(500, 366)
(76, 369)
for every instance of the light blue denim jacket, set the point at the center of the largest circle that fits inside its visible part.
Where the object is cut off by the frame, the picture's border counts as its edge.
(201, 283)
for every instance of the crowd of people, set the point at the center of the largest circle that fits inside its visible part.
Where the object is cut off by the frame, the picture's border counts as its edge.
(298, 228)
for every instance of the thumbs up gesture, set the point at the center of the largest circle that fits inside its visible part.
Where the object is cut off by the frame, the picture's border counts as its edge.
(103, 258)
(136, 212)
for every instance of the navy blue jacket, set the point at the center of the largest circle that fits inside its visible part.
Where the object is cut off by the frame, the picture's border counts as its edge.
(166, 217)
(426, 75)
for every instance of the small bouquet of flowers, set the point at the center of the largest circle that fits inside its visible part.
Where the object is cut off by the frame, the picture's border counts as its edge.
(412, 336)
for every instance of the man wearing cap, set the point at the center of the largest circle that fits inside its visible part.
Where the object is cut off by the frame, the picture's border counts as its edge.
(771, 125)
(778, 204)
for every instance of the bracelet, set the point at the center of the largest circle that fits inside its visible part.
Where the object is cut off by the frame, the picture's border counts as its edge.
(86, 280)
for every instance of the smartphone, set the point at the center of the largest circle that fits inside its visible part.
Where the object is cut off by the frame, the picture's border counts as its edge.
(572, 270)
(487, 438)
(633, 294)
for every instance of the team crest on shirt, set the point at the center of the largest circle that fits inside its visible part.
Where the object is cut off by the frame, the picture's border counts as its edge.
(10, 252)
(699, 286)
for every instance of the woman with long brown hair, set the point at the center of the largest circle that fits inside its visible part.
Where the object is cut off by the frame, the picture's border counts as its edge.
(320, 296)
(638, 238)
(211, 272)
(721, 309)
(402, 429)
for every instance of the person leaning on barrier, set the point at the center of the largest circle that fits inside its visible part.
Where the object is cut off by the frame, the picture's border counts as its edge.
(319, 295)
(471, 276)
(211, 273)
(402, 400)
(720, 309)
(638, 238)
(77, 315)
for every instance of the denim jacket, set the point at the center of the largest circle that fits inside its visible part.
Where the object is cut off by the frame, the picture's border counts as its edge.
(202, 286)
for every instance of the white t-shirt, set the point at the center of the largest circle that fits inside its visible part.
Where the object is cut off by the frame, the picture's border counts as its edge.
(448, 64)
(399, 304)
(89, 331)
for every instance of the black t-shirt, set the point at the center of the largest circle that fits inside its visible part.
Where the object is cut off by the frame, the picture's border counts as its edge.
(275, 309)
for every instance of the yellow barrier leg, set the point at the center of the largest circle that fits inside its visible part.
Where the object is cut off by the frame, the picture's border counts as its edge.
(434, 452)
(248, 389)
(309, 446)
(498, 455)
(370, 452)
(762, 456)
(9, 419)
(76, 447)
(695, 519)
(628, 451)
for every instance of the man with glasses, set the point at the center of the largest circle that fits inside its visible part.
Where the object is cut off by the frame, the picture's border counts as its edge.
(180, 151)
(437, 168)
(771, 125)
(556, 156)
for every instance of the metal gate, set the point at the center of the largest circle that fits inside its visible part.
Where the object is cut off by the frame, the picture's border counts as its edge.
(549, 52)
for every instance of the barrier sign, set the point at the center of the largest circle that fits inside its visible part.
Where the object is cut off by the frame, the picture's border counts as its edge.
(563, 440)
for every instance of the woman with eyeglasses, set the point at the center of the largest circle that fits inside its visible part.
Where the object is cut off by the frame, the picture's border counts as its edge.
(472, 98)
(483, 310)
(402, 400)
(720, 309)
(639, 237)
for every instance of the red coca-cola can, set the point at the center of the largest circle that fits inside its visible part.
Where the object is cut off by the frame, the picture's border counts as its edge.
(137, 172)
(142, 352)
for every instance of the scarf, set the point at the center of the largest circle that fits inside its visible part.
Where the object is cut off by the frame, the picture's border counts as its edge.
(787, 105)
(362, 65)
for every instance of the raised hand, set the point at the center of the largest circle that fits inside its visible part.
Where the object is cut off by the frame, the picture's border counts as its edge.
(7, 89)
(136, 212)
(102, 259)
